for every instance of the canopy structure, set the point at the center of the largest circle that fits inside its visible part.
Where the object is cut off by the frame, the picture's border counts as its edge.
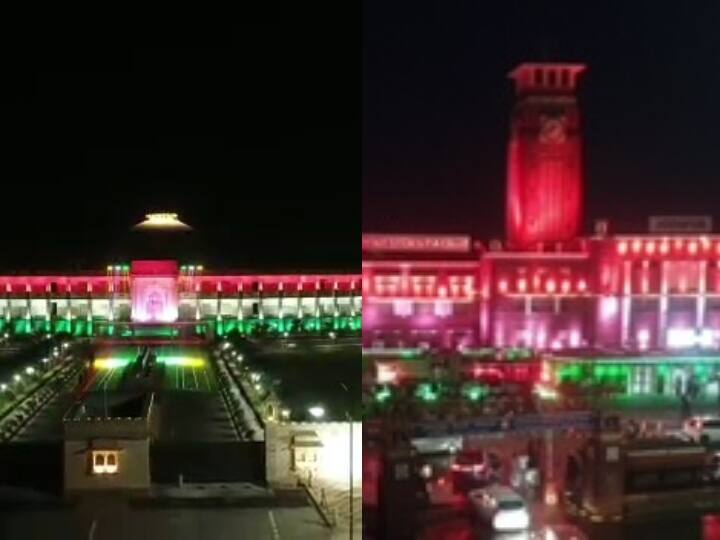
(163, 220)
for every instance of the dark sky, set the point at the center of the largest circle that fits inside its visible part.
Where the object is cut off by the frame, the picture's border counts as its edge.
(436, 103)
(251, 132)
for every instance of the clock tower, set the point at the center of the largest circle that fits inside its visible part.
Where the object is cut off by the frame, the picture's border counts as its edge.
(544, 185)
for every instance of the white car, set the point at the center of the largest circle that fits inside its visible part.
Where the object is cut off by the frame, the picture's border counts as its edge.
(500, 506)
(703, 429)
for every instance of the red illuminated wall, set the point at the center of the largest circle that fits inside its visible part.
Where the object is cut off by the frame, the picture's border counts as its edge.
(544, 187)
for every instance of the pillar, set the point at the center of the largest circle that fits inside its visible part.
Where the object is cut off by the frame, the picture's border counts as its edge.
(299, 300)
(240, 302)
(626, 303)
(663, 305)
(701, 301)
(261, 311)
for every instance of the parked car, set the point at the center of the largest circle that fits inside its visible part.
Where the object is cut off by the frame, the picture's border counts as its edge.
(500, 506)
(713, 472)
(471, 470)
(703, 429)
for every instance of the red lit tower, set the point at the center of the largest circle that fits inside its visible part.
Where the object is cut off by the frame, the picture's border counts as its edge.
(544, 188)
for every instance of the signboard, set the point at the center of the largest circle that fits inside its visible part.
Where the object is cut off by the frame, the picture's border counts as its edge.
(680, 224)
(416, 243)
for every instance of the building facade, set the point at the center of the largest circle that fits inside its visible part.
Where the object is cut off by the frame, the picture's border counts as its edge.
(547, 286)
(151, 293)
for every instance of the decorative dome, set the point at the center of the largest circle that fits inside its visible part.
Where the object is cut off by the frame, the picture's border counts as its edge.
(163, 220)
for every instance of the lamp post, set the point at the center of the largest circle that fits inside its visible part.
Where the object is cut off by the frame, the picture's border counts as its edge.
(350, 503)
(348, 417)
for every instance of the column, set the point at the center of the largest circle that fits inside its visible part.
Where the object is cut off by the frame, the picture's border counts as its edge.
(240, 302)
(663, 305)
(8, 290)
(68, 314)
(281, 313)
(111, 315)
(701, 301)
(626, 303)
(47, 305)
(336, 307)
(197, 301)
(89, 311)
(317, 299)
(261, 311)
(28, 318)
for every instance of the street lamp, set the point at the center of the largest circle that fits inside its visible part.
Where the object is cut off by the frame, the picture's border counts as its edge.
(317, 411)
(350, 467)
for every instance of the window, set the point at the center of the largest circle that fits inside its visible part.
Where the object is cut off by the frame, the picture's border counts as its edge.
(111, 463)
(402, 308)
(104, 461)
(538, 77)
(565, 78)
(511, 505)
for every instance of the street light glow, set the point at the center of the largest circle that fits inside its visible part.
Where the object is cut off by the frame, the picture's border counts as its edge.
(17, 378)
(29, 370)
(317, 411)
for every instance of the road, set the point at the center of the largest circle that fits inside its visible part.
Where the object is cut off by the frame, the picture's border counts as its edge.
(459, 525)
(190, 405)
(119, 522)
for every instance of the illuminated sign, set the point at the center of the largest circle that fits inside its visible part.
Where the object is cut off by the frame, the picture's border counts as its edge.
(416, 243)
(680, 224)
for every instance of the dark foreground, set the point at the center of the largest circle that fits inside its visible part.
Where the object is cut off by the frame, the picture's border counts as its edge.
(108, 520)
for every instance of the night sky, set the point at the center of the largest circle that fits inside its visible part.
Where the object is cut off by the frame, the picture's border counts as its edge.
(436, 104)
(250, 132)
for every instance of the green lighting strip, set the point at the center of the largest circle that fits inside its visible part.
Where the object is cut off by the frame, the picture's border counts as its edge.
(102, 327)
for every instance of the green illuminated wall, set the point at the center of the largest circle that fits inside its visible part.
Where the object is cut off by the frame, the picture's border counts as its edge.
(255, 326)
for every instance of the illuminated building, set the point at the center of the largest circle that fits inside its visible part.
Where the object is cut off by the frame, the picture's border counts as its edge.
(547, 287)
(107, 446)
(544, 156)
(139, 297)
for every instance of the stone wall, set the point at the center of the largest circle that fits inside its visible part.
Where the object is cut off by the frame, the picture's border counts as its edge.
(133, 465)
(333, 454)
